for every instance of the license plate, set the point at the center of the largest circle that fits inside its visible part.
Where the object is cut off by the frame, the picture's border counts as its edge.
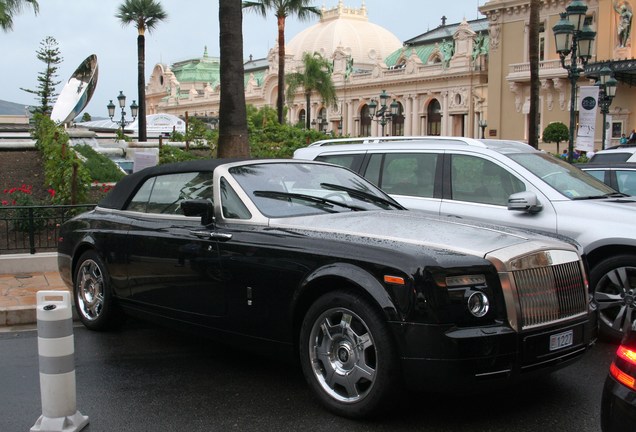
(561, 340)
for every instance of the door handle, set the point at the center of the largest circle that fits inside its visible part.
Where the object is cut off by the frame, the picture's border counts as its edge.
(212, 235)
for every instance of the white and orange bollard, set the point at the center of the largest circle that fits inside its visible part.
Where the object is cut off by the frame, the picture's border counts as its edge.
(57, 364)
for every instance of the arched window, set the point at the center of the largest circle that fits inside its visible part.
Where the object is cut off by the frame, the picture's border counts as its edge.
(365, 121)
(301, 117)
(434, 115)
(397, 126)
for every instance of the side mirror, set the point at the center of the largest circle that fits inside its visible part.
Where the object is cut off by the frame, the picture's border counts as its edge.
(524, 201)
(199, 207)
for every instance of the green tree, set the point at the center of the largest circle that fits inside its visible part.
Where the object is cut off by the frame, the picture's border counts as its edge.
(86, 117)
(49, 53)
(533, 54)
(233, 140)
(282, 9)
(9, 8)
(144, 15)
(555, 133)
(315, 77)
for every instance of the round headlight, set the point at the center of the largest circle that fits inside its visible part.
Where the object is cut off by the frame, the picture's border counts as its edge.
(478, 304)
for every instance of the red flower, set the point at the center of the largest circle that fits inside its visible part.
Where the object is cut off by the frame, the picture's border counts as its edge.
(52, 193)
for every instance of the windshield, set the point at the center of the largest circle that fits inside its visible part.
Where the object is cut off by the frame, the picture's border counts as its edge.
(563, 177)
(295, 189)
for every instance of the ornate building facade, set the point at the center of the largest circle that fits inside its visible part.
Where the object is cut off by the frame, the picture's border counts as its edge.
(438, 79)
(509, 68)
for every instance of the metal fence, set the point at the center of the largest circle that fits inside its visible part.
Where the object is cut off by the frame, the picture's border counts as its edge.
(31, 229)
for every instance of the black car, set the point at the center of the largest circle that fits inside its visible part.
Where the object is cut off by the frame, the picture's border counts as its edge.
(311, 260)
(618, 405)
(621, 176)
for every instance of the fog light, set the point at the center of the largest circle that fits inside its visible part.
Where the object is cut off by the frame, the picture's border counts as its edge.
(478, 304)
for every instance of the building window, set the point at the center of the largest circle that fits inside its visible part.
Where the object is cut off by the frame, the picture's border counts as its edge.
(365, 121)
(542, 41)
(434, 126)
(301, 117)
(397, 127)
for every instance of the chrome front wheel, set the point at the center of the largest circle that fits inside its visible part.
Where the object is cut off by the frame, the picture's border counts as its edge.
(343, 355)
(348, 355)
(93, 299)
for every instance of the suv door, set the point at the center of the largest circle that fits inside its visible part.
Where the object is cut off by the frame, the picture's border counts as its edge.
(478, 187)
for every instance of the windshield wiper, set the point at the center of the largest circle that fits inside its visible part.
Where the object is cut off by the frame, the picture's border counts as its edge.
(364, 196)
(328, 203)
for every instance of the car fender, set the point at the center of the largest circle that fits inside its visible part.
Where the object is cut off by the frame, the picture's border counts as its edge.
(354, 275)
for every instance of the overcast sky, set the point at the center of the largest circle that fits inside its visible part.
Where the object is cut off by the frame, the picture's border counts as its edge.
(85, 27)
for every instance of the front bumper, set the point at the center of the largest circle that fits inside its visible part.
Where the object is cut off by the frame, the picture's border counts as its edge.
(442, 358)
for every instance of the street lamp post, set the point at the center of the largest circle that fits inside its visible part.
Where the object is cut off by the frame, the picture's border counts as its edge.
(607, 91)
(121, 99)
(482, 125)
(574, 39)
(386, 113)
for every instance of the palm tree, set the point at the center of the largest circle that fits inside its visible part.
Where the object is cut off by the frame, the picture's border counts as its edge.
(283, 8)
(315, 77)
(233, 140)
(9, 8)
(533, 53)
(145, 14)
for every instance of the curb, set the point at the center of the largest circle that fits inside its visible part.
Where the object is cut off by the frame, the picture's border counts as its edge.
(14, 264)
(17, 316)
(26, 263)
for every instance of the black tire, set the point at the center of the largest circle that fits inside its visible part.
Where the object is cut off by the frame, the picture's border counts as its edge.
(92, 294)
(348, 378)
(613, 284)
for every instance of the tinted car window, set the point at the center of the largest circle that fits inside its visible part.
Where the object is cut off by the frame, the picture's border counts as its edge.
(610, 157)
(163, 194)
(475, 179)
(231, 204)
(351, 161)
(561, 176)
(599, 174)
(411, 174)
(626, 181)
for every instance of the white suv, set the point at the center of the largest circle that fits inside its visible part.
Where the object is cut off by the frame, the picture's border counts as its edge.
(509, 183)
(624, 153)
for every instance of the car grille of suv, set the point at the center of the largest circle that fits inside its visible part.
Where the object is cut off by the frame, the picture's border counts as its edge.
(550, 294)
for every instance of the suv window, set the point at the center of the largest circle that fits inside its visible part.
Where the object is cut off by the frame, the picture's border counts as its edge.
(474, 179)
(610, 157)
(411, 174)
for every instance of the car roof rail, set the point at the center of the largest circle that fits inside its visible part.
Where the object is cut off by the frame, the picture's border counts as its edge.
(365, 140)
(429, 139)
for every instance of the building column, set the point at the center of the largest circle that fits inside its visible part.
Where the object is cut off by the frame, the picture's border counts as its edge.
(408, 116)
(350, 122)
(445, 117)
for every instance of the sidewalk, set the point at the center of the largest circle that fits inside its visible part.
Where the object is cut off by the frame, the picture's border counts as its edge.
(21, 276)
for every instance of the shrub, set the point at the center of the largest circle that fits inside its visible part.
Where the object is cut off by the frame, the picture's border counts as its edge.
(62, 170)
(101, 168)
(556, 132)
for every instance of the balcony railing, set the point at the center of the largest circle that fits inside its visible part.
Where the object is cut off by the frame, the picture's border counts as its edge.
(31, 229)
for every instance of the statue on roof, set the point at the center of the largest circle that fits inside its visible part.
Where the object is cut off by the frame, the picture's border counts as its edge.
(624, 26)
(447, 49)
(479, 46)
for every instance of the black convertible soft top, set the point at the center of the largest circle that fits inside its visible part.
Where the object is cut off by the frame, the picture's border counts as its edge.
(118, 197)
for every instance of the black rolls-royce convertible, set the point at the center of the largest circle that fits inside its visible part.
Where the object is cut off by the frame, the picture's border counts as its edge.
(311, 259)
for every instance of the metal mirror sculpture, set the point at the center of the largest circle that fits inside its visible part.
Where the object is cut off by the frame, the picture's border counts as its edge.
(77, 91)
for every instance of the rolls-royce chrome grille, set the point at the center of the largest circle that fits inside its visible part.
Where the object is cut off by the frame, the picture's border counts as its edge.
(550, 294)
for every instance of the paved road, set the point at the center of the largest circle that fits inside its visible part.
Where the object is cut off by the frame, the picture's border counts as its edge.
(143, 378)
